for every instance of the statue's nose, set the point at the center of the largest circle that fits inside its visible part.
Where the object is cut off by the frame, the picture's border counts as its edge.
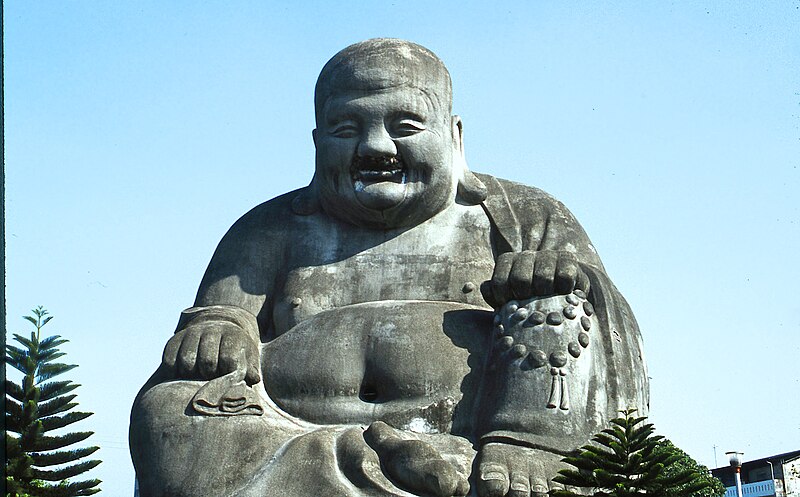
(376, 142)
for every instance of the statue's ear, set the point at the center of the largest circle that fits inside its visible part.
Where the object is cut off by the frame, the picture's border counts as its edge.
(457, 131)
(307, 201)
(471, 190)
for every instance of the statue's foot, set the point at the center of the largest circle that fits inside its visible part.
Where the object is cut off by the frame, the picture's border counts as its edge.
(505, 470)
(414, 465)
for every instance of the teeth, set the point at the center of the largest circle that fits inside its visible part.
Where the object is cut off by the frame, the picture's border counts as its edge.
(372, 174)
(378, 174)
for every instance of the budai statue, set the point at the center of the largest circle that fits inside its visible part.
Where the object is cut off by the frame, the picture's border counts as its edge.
(401, 326)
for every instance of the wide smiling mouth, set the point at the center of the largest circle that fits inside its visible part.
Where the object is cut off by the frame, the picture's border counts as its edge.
(370, 170)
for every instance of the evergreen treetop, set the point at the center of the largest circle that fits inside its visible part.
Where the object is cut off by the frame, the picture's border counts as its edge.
(39, 462)
(628, 460)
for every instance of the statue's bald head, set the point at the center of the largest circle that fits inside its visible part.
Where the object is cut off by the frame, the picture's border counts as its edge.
(389, 153)
(384, 63)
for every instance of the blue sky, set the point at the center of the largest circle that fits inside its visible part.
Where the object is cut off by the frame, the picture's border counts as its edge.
(137, 132)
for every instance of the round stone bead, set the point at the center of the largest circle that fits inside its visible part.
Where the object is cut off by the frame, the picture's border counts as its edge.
(555, 318)
(558, 358)
(519, 350)
(536, 317)
(537, 358)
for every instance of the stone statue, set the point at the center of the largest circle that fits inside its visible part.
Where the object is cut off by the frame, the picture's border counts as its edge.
(401, 326)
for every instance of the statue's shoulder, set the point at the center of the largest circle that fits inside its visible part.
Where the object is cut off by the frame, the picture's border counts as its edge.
(518, 195)
(526, 216)
(266, 223)
(276, 213)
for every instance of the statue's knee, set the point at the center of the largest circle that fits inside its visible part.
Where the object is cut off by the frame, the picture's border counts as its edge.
(165, 399)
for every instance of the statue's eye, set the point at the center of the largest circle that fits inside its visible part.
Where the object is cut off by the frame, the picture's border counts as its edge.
(407, 127)
(344, 130)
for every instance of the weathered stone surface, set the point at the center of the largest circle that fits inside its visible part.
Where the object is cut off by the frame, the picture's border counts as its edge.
(338, 345)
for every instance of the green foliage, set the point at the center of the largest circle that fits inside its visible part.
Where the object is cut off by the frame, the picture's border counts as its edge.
(38, 462)
(627, 460)
(714, 487)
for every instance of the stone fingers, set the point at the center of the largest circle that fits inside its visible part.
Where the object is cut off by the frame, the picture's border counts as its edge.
(520, 279)
(187, 354)
(232, 354)
(544, 273)
(566, 273)
(210, 351)
(497, 293)
(253, 363)
(170, 356)
(526, 274)
(208, 355)
(582, 282)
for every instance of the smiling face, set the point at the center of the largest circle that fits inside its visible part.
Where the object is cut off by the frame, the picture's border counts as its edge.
(385, 139)
(384, 158)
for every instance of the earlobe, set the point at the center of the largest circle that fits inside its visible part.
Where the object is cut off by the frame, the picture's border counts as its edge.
(314, 136)
(470, 190)
(457, 131)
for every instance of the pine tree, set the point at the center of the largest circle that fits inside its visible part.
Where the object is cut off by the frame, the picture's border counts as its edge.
(628, 460)
(35, 457)
(715, 488)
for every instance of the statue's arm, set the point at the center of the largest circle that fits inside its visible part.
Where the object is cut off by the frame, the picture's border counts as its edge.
(221, 332)
(567, 353)
(542, 249)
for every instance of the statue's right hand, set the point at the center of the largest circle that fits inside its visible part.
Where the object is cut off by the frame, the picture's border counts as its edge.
(212, 349)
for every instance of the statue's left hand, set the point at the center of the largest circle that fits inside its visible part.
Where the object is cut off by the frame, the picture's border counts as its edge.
(526, 274)
(505, 470)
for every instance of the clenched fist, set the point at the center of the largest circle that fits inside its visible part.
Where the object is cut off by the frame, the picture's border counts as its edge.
(526, 274)
(211, 349)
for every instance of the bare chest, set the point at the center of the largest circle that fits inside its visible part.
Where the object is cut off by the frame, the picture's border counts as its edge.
(444, 260)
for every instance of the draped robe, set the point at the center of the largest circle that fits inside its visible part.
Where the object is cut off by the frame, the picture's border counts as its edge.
(332, 306)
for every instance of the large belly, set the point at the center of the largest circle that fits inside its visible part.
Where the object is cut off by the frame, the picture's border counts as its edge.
(415, 364)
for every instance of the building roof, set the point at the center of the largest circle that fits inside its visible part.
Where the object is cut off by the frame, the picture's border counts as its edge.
(785, 457)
